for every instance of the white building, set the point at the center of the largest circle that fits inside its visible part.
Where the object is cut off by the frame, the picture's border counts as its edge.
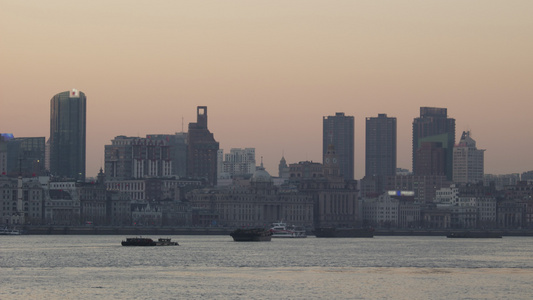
(468, 161)
(381, 212)
(237, 162)
(448, 195)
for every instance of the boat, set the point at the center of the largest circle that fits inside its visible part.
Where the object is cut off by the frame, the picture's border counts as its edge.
(475, 234)
(140, 241)
(165, 242)
(10, 231)
(329, 232)
(281, 230)
(251, 235)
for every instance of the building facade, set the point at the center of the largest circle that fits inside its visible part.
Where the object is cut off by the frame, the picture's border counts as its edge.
(434, 121)
(468, 161)
(239, 162)
(202, 149)
(68, 135)
(380, 149)
(136, 158)
(338, 130)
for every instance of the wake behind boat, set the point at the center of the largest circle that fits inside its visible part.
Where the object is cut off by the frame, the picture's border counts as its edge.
(281, 230)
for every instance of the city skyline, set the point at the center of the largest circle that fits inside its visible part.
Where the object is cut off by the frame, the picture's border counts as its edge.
(269, 75)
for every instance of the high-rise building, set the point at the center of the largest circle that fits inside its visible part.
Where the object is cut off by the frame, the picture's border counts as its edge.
(202, 149)
(239, 162)
(338, 131)
(68, 112)
(380, 154)
(25, 156)
(468, 161)
(133, 158)
(434, 121)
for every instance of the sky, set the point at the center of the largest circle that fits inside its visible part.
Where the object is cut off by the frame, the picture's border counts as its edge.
(269, 71)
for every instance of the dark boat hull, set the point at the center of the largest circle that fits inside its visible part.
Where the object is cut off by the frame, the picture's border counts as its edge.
(331, 232)
(251, 235)
(142, 242)
(473, 235)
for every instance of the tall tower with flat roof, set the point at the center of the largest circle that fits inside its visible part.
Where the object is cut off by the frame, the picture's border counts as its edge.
(338, 130)
(68, 112)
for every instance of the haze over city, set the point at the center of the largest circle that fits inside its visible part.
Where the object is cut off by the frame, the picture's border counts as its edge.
(269, 71)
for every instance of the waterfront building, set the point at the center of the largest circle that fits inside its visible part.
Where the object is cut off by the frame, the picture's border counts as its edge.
(468, 161)
(381, 212)
(510, 214)
(335, 199)
(339, 131)
(94, 202)
(21, 201)
(62, 204)
(257, 204)
(424, 187)
(380, 153)
(68, 135)
(447, 195)
(434, 122)
(202, 149)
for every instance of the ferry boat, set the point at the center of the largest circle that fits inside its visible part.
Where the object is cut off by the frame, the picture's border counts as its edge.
(329, 232)
(281, 230)
(140, 241)
(10, 231)
(251, 235)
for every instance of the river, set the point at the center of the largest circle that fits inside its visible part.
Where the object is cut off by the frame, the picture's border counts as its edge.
(215, 267)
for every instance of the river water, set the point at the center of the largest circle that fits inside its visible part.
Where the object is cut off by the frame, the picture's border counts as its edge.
(215, 267)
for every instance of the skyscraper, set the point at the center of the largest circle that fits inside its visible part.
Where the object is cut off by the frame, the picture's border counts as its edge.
(202, 149)
(67, 134)
(338, 130)
(380, 154)
(429, 127)
(468, 161)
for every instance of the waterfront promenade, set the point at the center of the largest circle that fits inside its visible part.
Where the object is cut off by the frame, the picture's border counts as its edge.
(141, 230)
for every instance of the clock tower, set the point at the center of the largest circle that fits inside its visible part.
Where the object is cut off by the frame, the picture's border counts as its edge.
(331, 163)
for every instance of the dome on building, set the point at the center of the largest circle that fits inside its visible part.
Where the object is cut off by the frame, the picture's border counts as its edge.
(261, 175)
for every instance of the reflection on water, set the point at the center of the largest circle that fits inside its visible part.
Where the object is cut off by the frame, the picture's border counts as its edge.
(68, 267)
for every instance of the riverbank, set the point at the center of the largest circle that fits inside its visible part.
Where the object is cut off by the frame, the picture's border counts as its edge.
(137, 230)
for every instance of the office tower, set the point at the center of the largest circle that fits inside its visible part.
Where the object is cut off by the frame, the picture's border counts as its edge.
(4, 140)
(338, 131)
(380, 154)
(467, 161)
(24, 156)
(239, 162)
(133, 157)
(202, 149)
(434, 126)
(177, 144)
(67, 135)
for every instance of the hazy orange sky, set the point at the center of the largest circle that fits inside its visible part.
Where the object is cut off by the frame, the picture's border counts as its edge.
(270, 70)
